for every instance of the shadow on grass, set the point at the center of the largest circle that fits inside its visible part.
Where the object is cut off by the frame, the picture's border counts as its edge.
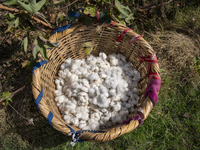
(14, 76)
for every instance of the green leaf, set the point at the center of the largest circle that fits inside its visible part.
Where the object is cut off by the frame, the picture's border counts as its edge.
(11, 2)
(16, 22)
(32, 7)
(122, 9)
(25, 44)
(88, 47)
(129, 18)
(26, 7)
(38, 46)
(49, 45)
(39, 5)
(7, 97)
(122, 16)
(34, 48)
(122, 22)
(58, 2)
(10, 16)
(90, 10)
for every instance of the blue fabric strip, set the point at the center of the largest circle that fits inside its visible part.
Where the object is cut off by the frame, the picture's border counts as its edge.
(62, 28)
(50, 117)
(72, 130)
(39, 98)
(39, 64)
(74, 14)
(71, 14)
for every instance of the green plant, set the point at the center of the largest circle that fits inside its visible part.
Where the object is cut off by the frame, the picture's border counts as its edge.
(6, 96)
(196, 64)
(22, 25)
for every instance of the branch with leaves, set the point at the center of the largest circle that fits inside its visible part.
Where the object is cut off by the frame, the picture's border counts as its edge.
(18, 11)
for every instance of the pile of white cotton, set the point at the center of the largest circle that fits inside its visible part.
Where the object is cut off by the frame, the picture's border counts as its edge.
(96, 92)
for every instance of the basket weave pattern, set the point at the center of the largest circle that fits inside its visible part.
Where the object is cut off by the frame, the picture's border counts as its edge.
(104, 40)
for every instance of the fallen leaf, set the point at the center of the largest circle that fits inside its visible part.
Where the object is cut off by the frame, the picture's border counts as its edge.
(187, 115)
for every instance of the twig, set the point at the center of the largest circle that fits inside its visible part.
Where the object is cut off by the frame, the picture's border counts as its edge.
(18, 112)
(18, 11)
(68, 5)
(42, 29)
(12, 94)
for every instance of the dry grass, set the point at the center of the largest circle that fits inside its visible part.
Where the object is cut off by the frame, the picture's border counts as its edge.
(174, 50)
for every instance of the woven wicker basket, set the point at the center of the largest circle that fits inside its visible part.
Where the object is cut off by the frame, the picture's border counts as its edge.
(69, 45)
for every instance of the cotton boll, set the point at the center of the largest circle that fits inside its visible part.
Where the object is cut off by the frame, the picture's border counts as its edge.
(123, 113)
(112, 92)
(116, 106)
(82, 98)
(116, 98)
(61, 99)
(85, 116)
(94, 69)
(98, 82)
(102, 75)
(78, 73)
(68, 92)
(132, 109)
(116, 119)
(93, 77)
(127, 105)
(110, 83)
(135, 90)
(62, 67)
(124, 97)
(103, 90)
(114, 73)
(84, 89)
(82, 124)
(74, 67)
(68, 61)
(93, 124)
(79, 115)
(67, 118)
(103, 56)
(73, 78)
(123, 58)
(57, 93)
(108, 72)
(113, 61)
(91, 92)
(97, 91)
(62, 82)
(68, 73)
(109, 124)
(75, 122)
(103, 101)
(85, 83)
(95, 116)
(104, 111)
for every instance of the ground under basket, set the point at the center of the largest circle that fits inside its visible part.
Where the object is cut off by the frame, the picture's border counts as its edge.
(107, 38)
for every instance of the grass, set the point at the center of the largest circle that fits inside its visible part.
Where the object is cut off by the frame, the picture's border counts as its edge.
(174, 123)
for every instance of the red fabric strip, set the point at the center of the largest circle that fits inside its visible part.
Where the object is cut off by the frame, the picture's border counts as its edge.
(123, 34)
(98, 15)
(150, 59)
(135, 38)
(112, 24)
